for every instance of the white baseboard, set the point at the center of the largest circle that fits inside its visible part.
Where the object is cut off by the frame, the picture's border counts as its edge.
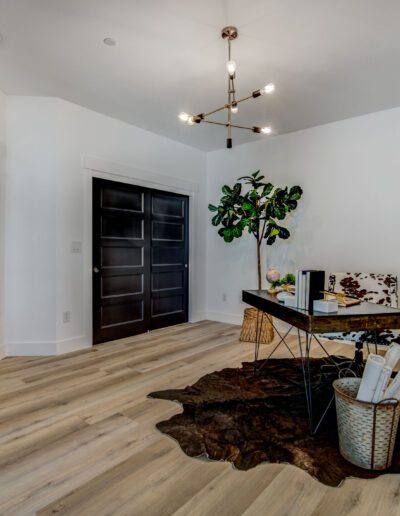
(30, 349)
(50, 348)
(230, 318)
(198, 316)
(72, 344)
(225, 317)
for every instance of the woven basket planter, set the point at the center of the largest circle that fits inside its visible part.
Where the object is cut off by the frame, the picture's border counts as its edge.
(249, 326)
(367, 431)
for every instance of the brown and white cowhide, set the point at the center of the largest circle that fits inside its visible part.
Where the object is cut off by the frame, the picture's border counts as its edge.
(375, 288)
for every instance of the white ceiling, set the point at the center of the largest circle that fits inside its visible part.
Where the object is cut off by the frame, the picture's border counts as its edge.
(329, 59)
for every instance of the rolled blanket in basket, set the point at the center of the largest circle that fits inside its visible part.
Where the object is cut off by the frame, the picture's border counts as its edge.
(369, 381)
(382, 384)
(392, 355)
(393, 391)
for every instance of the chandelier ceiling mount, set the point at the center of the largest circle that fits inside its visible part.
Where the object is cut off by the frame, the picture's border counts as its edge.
(229, 33)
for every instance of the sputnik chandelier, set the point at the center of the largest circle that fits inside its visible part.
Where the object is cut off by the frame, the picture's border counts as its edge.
(229, 34)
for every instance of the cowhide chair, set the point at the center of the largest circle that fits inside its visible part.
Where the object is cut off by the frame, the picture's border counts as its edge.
(376, 288)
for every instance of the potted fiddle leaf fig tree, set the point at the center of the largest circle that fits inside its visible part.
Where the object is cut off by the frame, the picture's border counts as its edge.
(259, 209)
(255, 206)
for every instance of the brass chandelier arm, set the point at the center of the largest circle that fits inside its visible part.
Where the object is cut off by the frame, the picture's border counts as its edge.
(215, 123)
(226, 106)
(227, 125)
(245, 98)
(243, 127)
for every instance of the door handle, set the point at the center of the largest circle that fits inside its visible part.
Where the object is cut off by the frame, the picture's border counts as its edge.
(96, 270)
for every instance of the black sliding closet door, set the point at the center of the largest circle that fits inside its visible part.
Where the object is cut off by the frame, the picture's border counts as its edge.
(140, 259)
(169, 259)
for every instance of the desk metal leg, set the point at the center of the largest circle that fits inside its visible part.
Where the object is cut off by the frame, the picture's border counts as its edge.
(323, 415)
(281, 341)
(358, 356)
(259, 323)
(344, 366)
(308, 371)
(305, 367)
(305, 364)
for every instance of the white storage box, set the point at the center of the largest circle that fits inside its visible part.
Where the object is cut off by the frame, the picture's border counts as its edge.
(320, 305)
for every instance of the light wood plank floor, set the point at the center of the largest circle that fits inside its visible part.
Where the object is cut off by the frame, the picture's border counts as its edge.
(77, 437)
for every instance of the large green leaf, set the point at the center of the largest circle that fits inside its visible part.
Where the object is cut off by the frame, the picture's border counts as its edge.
(292, 205)
(267, 189)
(237, 232)
(284, 233)
(295, 193)
(253, 194)
(226, 190)
(237, 188)
(216, 220)
(211, 207)
(228, 235)
(227, 199)
(280, 212)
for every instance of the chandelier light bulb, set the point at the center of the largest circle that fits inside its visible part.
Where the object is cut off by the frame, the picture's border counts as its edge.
(268, 89)
(183, 117)
(231, 68)
(266, 130)
(190, 120)
(234, 108)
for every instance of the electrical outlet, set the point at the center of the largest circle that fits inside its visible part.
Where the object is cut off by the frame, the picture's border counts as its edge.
(76, 247)
(224, 297)
(66, 316)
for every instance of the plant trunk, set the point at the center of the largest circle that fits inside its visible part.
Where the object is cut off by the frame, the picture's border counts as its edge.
(259, 264)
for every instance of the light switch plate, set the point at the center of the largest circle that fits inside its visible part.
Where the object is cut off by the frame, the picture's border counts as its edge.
(76, 247)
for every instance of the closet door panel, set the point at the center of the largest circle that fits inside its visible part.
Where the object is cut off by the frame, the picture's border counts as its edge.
(121, 252)
(169, 259)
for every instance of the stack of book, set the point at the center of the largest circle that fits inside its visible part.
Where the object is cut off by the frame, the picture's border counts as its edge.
(310, 285)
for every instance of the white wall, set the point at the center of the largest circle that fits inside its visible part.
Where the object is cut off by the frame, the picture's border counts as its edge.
(3, 104)
(50, 141)
(30, 258)
(347, 219)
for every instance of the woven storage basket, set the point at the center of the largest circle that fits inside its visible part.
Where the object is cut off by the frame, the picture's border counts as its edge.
(367, 431)
(249, 326)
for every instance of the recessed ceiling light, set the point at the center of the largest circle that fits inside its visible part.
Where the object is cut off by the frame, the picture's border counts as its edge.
(110, 42)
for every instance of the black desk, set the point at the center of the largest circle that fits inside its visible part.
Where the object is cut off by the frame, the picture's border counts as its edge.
(363, 317)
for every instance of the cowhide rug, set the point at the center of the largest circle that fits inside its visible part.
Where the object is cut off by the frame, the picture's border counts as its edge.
(249, 419)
